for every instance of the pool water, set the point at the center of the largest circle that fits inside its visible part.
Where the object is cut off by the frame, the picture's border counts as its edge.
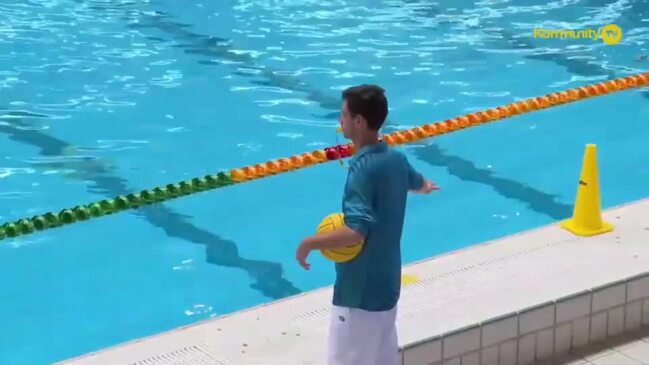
(102, 98)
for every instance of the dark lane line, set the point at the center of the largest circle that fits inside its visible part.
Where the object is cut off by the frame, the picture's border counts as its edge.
(268, 276)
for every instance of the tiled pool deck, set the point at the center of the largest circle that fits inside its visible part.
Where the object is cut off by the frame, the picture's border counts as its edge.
(627, 349)
(516, 300)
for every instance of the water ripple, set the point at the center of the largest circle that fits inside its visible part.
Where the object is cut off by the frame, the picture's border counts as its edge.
(45, 51)
(270, 89)
(107, 102)
(382, 42)
(8, 171)
(276, 102)
(290, 135)
(200, 309)
(22, 114)
(281, 119)
(58, 160)
(14, 194)
(169, 80)
(486, 94)
(125, 53)
(114, 142)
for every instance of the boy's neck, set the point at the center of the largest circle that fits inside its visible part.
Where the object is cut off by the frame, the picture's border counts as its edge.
(366, 140)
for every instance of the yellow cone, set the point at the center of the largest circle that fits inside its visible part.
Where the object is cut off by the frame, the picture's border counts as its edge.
(587, 217)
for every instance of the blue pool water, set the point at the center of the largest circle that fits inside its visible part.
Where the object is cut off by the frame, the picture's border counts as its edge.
(101, 98)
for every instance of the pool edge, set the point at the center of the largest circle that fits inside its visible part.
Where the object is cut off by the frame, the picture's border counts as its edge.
(446, 278)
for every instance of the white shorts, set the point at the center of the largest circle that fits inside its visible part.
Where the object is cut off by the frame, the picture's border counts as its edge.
(359, 337)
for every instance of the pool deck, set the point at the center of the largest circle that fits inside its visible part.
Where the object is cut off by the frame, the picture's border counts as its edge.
(626, 349)
(526, 297)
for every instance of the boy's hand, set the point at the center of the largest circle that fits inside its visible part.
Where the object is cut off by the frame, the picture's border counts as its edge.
(428, 187)
(301, 254)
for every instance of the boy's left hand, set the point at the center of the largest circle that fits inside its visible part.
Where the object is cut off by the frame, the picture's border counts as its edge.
(301, 254)
(428, 187)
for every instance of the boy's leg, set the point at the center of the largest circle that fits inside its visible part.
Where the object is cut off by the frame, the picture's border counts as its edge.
(358, 337)
(339, 337)
(389, 349)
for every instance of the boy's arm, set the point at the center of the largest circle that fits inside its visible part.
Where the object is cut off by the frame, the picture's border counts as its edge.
(415, 179)
(342, 237)
(417, 183)
(358, 215)
(357, 202)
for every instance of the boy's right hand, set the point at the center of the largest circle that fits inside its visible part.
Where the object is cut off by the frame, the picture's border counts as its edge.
(428, 187)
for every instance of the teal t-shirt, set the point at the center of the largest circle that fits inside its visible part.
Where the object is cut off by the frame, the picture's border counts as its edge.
(374, 204)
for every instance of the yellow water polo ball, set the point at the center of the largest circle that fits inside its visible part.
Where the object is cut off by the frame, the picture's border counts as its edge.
(343, 254)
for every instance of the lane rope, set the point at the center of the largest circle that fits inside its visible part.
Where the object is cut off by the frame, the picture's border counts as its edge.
(121, 203)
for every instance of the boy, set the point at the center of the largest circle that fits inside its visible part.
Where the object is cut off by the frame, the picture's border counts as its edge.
(367, 288)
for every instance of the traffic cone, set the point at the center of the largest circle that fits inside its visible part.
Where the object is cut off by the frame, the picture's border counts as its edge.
(587, 216)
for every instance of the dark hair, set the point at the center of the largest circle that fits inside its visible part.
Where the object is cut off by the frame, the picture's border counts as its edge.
(368, 101)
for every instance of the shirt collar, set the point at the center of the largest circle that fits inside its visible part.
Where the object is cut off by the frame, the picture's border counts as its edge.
(371, 148)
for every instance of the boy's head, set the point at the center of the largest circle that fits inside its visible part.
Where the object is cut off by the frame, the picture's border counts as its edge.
(363, 111)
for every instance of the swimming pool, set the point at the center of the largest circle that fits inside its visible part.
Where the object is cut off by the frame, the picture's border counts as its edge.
(101, 98)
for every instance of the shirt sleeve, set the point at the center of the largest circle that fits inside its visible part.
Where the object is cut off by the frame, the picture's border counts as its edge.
(415, 179)
(357, 202)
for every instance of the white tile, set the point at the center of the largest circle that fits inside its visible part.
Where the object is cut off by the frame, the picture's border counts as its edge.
(645, 312)
(615, 321)
(615, 358)
(638, 351)
(576, 362)
(508, 353)
(425, 353)
(490, 355)
(536, 319)
(471, 359)
(461, 343)
(526, 349)
(573, 308)
(638, 288)
(562, 338)
(580, 332)
(499, 330)
(629, 343)
(633, 319)
(454, 361)
(593, 352)
(598, 327)
(609, 297)
(544, 344)
(568, 359)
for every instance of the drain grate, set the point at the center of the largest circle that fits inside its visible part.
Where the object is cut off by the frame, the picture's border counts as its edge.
(312, 320)
(192, 355)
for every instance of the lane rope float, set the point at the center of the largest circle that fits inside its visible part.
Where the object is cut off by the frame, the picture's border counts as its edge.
(120, 203)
